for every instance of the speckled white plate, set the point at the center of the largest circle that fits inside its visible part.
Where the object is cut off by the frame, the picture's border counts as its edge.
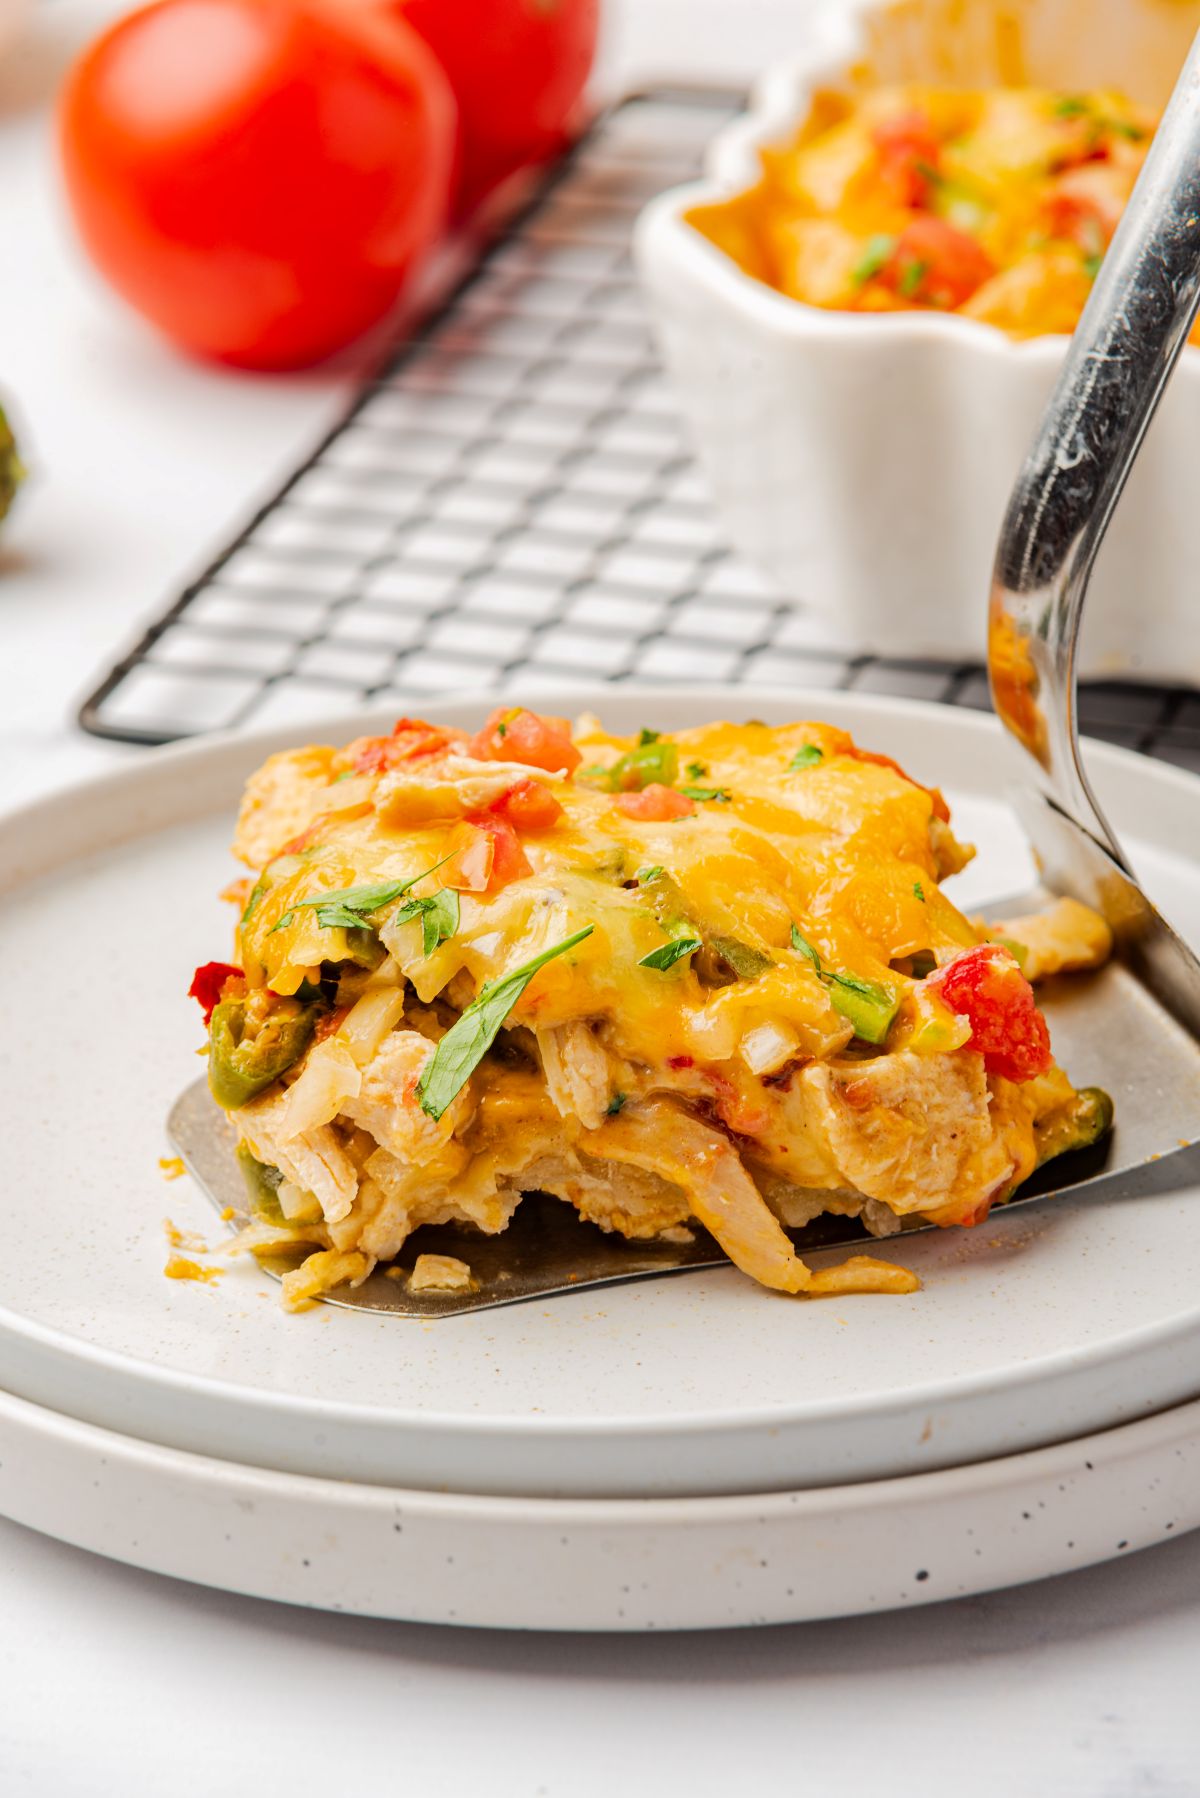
(602, 1564)
(1037, 1328)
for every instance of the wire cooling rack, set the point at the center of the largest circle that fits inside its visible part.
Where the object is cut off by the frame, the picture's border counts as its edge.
(513, 497)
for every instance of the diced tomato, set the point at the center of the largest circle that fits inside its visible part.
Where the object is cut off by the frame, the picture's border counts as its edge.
(513, 734)
(207, 982)
(655, 804)
(935, 264)
(908, 157)
(411, 739)
(985, 986)
(485, 854)
(681, 1061)
(940, 808)
(528, 805)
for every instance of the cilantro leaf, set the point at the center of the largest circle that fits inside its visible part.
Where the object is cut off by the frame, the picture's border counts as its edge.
(351, 904)
(254, 901)
(669, 953)
(439, 914)
(807, 756)
(721, 795)
(695, 770)
(614, 1104)
(911, 277)
(878, 250)
(651, 872)
(805, 947)
(471, 1036)
(918, 891)
(647, 736)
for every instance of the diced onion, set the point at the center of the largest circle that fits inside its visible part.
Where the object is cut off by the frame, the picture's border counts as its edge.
(767, 1047)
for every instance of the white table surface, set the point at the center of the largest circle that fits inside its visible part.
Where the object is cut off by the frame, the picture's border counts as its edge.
(118, 1682)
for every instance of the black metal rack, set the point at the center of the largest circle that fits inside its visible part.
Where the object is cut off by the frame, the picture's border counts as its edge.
(513, 497)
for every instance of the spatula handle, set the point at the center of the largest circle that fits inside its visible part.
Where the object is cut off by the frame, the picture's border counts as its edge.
(1135, 323)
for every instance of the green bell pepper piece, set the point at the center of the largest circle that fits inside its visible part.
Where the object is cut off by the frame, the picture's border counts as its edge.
(240, 1066)
(864, 1004)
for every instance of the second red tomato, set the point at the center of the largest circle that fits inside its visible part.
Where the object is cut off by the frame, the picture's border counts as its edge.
(518, 69)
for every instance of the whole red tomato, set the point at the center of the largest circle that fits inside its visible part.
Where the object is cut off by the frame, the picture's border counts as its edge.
(257, 177)
(517, 68)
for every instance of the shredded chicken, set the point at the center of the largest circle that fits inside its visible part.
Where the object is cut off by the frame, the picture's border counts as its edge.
(576, 1071)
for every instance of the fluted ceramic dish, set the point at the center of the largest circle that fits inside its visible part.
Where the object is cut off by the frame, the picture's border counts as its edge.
(864, 463)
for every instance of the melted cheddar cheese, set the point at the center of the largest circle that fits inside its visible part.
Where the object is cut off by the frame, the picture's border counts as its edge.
(713, 996)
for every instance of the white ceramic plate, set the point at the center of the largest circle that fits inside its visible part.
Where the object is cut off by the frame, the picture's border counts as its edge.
(1036, 1328)
(608, 1564)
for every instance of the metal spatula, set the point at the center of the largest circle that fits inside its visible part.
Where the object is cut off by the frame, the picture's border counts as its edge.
(1134, 1028)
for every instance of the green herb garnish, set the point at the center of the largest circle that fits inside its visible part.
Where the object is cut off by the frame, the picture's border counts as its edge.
(721, 795)
(614, 1104)
(878, 250)
(645, 874)
(253, 902)
(439, 915)
(1070, 107)
(471, 1036)
(695, 770)
(666, 956)
(807, 756)
(647, 736)
(348, 908)
(805, 947)
(918, 891)
(911, 277)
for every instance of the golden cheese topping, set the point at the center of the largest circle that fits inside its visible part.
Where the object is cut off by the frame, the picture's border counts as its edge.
(997, 204)
(707, 975)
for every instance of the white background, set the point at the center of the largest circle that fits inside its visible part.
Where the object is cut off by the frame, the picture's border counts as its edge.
(117, 1682)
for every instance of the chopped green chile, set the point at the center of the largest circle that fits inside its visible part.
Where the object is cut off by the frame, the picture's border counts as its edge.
(239, 1066)
(262, 1184)
(1083, 1122)
(653, 762)
(746, 961)
(865, 1004)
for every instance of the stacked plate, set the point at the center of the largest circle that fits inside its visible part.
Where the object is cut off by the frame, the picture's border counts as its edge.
(673, 1453)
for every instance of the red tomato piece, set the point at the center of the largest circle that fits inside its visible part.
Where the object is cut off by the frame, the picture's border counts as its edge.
(517, 68)
(258, 177)
(655, 804)
(529, 806)
(207, 982)
(985, 986)
(410, 741)
(513, 734)
(485, 855)
(935, 264)
(908, 149)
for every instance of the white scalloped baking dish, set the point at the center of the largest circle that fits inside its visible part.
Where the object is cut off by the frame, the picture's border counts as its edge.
(863, 462)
